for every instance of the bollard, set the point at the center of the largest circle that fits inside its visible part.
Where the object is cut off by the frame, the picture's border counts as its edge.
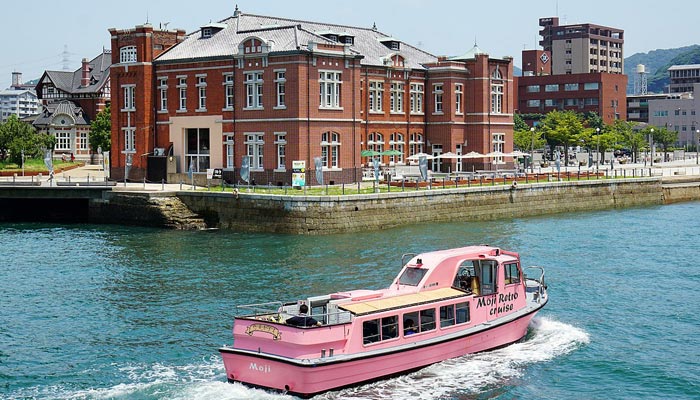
(162, 184)
(144, 183)
(180, 184)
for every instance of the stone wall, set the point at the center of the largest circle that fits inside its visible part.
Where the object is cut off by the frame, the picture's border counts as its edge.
(336, 214)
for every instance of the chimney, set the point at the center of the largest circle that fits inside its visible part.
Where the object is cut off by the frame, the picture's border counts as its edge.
(16, 79)
(85, 79)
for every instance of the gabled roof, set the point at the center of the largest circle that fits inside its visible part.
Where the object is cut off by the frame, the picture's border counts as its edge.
(70, 82)
(291, 35)
(64, 107)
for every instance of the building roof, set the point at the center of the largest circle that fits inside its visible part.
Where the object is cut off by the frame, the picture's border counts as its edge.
(64, 107)
(682, 67)
(469, 55)
(17, 92)
(70, 82)
(293, 35)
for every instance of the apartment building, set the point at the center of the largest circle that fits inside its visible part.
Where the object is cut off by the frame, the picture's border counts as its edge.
(18, 99)
(683, 77)
(275, 90)
(582, 48)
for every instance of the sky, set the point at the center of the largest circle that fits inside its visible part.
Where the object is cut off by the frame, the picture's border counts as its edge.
(36, 35)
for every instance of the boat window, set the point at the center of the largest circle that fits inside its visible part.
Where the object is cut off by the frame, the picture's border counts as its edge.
(412, 276)
(486, 272)
(462, 312)
(464, 279)
(390, 327)
(370, 331)
(512, 274)
(427, 319)
(447, 315)
(411, 323)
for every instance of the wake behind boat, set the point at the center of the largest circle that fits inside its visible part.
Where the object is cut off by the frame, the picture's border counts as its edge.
(443, 304)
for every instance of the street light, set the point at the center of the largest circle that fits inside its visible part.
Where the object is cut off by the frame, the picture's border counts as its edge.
(697, 143)
(651, 147)
(597, 148)
(532, 150)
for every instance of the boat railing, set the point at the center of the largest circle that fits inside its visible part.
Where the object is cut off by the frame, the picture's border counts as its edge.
(255, 310)
(536, 285)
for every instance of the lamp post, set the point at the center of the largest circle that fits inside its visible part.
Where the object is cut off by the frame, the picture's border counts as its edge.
(697, 144)
(597, 148)
(532, 150)
(651, 147)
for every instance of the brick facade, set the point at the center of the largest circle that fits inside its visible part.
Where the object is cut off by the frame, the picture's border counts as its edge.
(326, 108)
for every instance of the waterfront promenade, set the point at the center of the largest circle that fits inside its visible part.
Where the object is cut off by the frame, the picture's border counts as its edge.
(94, 174)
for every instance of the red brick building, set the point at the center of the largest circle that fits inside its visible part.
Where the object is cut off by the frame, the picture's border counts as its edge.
(600, 92)
(278, 90)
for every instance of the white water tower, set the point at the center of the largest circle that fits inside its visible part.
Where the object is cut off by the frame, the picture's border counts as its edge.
(640, 80)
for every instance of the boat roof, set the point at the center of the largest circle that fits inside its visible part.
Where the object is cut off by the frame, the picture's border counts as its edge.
(435, 258)
(394, 302)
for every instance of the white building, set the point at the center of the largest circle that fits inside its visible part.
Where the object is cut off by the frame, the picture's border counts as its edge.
(18, 100)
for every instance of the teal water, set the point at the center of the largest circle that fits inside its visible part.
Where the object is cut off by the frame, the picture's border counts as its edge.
(103, 312)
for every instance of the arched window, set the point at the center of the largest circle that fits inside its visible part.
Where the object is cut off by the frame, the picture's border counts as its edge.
(375, 142)
(330, 149)
(396, 142)
(496, 92)
(127, 54)
(415, 145)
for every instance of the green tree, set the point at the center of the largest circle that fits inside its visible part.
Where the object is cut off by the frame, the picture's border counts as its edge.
(634, 140)
(562, 128)
(527, 140)
(101, 131)
(17, 138)
(665, 136)
(519, 124)
(592, 120)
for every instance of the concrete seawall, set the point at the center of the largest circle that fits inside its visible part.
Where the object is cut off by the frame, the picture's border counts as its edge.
(337, 214)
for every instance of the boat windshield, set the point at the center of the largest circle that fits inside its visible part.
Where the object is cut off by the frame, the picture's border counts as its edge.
(412, 276)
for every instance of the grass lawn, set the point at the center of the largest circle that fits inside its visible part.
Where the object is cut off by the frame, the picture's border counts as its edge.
(35, 165)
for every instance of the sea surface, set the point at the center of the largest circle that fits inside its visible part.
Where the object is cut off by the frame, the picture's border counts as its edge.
(109, 312)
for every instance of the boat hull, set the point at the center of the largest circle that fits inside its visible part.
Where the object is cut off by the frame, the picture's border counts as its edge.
(310, 378)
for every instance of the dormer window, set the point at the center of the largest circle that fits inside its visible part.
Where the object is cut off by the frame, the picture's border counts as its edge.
(211, 29)
(391, 43)
(346, 39)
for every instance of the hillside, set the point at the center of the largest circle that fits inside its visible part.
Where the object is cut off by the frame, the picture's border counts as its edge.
(657, 63)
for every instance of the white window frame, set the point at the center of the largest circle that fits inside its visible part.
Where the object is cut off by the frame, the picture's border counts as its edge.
(129, 98)
(376, 94)
(254, 90)
(396, 100)
(62, 140)
(497, 92)
(330, 150)
(417, 92)
(83, 142)
(255, 144)
(280, 85)
(416, 143)
(437, 97)
(229, 94)
(202, 93)
(163, 89)
(182, 91)
(498, 142)
(459, 95)
(375, 142)
(281, 144)
(127, 54)
(397, 142)
(330, 85)
(230, 154)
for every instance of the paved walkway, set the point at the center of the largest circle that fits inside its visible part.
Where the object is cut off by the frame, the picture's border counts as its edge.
(95, 174)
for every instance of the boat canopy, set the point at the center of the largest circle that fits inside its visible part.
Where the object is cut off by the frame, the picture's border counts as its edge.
(389, 303)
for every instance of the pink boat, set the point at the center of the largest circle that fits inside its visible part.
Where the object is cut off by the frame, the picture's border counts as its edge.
(443, 304)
